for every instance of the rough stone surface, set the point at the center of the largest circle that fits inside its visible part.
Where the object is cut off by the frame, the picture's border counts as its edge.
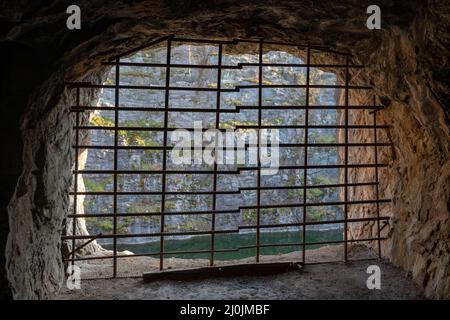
(407, 62)
(344, 281)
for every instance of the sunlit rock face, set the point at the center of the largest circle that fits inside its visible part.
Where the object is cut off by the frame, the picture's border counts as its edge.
(98, 159)
(407, 63)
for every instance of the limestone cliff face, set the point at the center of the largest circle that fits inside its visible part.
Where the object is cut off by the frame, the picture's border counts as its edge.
(407, 62)
(100, 159)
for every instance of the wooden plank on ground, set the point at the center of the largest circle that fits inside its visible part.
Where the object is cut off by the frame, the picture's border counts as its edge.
(246, 269)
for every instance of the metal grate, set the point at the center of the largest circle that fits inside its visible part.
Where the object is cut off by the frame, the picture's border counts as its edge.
(346, 109)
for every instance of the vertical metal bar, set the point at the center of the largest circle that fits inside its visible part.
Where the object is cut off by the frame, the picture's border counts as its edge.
(116, 138)
(376, 174)
(213, 216)
(75, 186)
(164, 164)
(346, 161)
(305, 170)
(258, 178)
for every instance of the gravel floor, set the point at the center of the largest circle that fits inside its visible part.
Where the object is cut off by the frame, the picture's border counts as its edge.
(316, 281)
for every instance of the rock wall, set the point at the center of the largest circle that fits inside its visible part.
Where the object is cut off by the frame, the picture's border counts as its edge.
(419, 175)
(407, 62)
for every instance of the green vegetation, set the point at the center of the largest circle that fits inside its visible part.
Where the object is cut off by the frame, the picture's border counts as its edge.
(97, 186)
(256, 81)
(249, 216)
(233, 123)
(322, 138)
(320, 179)
(130, 137)
(96, 224)
(101, 121)
(316, 213)
(109, 82)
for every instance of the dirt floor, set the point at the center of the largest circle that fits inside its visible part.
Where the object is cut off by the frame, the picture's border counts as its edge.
(335, 280)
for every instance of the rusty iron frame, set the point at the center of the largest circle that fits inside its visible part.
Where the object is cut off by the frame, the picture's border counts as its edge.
(167, 88)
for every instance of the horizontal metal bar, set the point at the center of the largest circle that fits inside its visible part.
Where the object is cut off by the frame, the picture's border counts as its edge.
(150, 214)
(246, 147)
(268, 245)
(239, 190)
(315, 243)
(319, 186)
(238, 66)
(156, 109)
(312, 223)
(120, 193)
(239, 170)
(236, 110)
(226, 250)
(156, 234)
(293, 86)
(323, 204)
(173, 65)
(235, 89)
(237, 127)
(150, 254)
(298, 65)
(313, 127)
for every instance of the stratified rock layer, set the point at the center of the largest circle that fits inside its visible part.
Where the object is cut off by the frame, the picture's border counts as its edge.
(407, 62)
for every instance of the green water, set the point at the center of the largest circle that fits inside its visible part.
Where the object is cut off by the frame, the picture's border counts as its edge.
(233, 241)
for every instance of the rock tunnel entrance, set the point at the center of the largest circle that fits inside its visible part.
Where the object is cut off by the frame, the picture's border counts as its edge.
(135, 203)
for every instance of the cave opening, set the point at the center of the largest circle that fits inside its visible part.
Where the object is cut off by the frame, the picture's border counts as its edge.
(134, 209)
(406, 62)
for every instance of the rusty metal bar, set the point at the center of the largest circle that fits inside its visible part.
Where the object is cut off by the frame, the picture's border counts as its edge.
(281, 145)
(305, 153)
(237, 127)
(213, 217)
(163, 176)
(296, 224)
(376, 177)
(238, 191)
(258, 173)
(116, 160)
(346, 97)
(238, 66)
(75, 199)
(237, 108)
(292, 244)
(235, 89)
(75, 250)
(150, 214)
(239, 170)
(165, 147)
(192, 233)
(314, 204)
